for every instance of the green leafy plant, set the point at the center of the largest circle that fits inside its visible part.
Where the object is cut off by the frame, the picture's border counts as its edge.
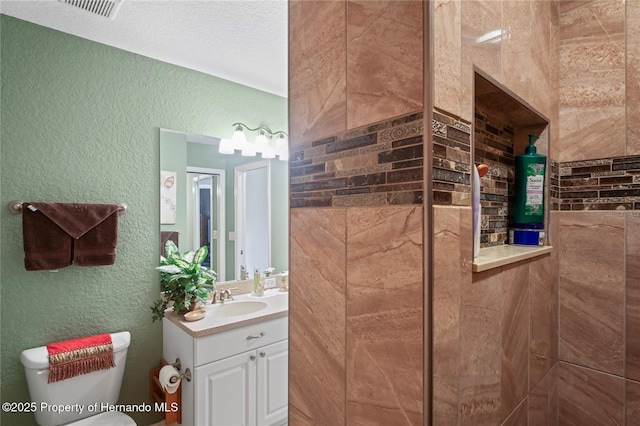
(183, 280)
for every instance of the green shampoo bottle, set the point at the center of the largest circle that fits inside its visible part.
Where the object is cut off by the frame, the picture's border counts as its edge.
(528, 206)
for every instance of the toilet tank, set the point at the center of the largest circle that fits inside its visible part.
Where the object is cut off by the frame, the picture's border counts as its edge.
(84, 395)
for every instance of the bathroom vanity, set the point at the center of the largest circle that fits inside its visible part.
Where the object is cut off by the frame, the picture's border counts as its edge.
(238, 358)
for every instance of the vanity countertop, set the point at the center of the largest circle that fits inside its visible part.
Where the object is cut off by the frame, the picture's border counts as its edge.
(276, 301)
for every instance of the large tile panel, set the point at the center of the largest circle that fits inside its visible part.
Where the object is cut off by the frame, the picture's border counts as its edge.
(384, 316)
(592, 79)
(515, 336)
(541, 320)
(633, 77)
(451, 266)
(632, 406)
(317, 314)
(517, 67)
(384, 60)
(447, 54)
(592, 289)
(317, 69)
(633, 297)
(588, 397)
(480, 349)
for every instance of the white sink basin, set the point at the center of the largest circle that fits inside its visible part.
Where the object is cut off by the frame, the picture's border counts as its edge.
(231, 309)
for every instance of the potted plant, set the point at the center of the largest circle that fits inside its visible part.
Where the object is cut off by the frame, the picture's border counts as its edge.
(183, 280)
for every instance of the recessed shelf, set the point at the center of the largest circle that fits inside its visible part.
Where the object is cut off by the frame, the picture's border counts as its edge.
(497, 256)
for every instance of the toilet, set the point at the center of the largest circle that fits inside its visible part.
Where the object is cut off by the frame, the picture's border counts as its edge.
(84, 396)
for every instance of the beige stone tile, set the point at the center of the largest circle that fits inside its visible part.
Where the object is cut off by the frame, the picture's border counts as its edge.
(447, 55)
(384, 316)
(519, 416)
(554, 235)
(540, 276)
(539, 402)
(517, 66)
(592, 289)
(317, 316)
(632, 407)
(384, 60)
(480, 364)
(541, 53)
(633, 77)
(317, 69)
(633, 297)
(481, 20)
(554, 82)
(553, 395)
(485, 290)
(592, 79)
(588, 397)
(515, 336)
(452, 253)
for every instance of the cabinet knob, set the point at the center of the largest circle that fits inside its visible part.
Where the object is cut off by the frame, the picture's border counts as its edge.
(262, 354)
(252, 357)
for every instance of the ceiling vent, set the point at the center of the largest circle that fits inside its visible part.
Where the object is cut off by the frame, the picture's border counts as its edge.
(104, 8)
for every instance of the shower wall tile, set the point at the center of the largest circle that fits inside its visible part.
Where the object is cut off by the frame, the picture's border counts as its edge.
(452, 249)
(633, 297)
(317, 69)
(481, 20)
(517, 66)
(554, 302)
(515, 336)
(632, 406)
(554, 82)
(384, 60)
(481, 349)
(519, 416)
(541, 323)
(592, 290)
(317, 315)
(543, 400)
(633, 77)
(592, 79)
(447, 54)
(588, 397)
(540, 89)
(384, 315)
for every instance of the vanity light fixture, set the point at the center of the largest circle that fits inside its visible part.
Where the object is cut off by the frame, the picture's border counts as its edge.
(263, 143)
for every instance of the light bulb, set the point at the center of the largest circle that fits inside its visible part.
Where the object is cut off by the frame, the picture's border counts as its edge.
(226, 146)
(282, 148)
(261, 142)
(239, 139)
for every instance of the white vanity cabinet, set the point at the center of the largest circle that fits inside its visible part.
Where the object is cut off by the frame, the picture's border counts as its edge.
(239, 376)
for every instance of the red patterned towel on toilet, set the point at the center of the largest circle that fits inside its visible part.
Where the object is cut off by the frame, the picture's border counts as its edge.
(74, 357)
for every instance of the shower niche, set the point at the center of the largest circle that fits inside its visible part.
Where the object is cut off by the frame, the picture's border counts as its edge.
(502, 125)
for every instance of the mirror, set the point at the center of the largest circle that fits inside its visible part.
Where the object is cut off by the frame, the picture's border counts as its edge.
(237, 206)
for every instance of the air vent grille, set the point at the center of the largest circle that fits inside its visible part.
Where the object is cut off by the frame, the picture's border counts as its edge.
(105, 8)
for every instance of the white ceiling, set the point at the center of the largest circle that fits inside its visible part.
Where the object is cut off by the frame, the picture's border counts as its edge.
(244, 41)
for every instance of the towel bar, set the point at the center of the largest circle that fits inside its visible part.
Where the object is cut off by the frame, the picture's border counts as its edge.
(16, 207)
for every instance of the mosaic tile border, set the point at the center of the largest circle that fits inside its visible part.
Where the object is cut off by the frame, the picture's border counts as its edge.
(451, 159)
(380, 164)
(602, 184)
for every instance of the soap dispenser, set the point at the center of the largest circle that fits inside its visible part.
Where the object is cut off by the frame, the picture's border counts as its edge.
(529, 191)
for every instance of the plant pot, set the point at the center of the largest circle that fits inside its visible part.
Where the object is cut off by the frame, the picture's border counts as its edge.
(192, 306)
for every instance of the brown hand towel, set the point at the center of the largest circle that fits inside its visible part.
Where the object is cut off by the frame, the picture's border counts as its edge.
(59, 234)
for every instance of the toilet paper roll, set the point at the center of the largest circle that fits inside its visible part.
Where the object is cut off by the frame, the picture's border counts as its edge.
(169, 378)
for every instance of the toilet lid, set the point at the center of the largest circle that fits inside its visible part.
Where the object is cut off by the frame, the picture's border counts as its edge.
(107, 418)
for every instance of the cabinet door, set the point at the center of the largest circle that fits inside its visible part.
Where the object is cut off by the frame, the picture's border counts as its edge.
(273, 382)
(225, 391)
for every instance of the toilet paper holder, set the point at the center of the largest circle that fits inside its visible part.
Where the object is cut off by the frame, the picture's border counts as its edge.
(183, 376)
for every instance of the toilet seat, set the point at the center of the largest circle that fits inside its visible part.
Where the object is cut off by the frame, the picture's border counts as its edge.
(107, 418)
